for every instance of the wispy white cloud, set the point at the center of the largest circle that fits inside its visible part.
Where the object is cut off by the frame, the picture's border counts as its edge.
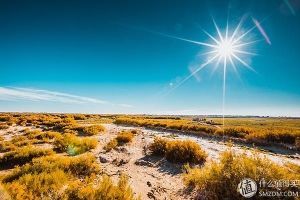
(125, 105)
(15, 94)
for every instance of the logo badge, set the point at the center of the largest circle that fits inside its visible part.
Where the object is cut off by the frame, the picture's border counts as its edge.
(247, 187)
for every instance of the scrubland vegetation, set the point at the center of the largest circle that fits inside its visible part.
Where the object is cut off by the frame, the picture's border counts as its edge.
(218, 179)
(122, 138)
(56, 177)
(73, 145)
(178, 151)
(266, 133)
(49, 155)
(40, 173)
(24, 155)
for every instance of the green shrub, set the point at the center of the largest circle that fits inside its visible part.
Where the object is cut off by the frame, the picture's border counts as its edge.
(178, 151)
(111, 145)
(219, 180)
(24, 155)
(93, 130)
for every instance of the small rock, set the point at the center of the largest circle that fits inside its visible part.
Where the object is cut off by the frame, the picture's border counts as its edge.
(103, 160)
(151, 195)
(148, 183)
(143, 163)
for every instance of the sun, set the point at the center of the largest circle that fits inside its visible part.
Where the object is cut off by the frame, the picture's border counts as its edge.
(225, 48)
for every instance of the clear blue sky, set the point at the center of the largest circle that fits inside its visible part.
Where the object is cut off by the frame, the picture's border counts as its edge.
(115, 57)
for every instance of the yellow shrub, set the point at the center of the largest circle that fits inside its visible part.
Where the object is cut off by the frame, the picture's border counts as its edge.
(111, 145)
(3, 126)
(178, 151)
(159, 146)
(45, 177)
(33, 134)
(93, 130)
(219, 180)
(73, 145)
(124, 137)
(51, 135)
(74, 132)
(24, 155)
(185, 151)
(104, 189)
(18, 138)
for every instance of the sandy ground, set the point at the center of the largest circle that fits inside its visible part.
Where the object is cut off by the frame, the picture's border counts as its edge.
(150, 177)
(153, 177)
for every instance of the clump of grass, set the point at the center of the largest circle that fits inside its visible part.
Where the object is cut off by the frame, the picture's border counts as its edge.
(74, 132)
(178, 151)
(49, 136)
(3, 126)
(111, 145)
(3, 194)
(93, 130)
(124, 137)
(104, 189)
(18, 138)
(73, 145)
(159, 147)
(45, 176)
(7, 146)
(135, 131)
(32, 134)
(120, 139)
(219, 180)
(24, 155)
(297, 143)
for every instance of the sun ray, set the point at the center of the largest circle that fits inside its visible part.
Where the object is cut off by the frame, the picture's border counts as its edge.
(192, 74)
(224, 92)
(237, 28)
(245, 64)
(234, 68)
(218, 30)
(247, 43)
(207, 53)
(214, 39)
(244, 52)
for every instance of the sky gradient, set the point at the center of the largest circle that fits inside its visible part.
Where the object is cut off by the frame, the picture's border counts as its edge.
(123, 57)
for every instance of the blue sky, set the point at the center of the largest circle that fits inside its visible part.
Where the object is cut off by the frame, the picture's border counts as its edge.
(129, 57)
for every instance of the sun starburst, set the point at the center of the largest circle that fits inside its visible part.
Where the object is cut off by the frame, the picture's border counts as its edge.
(227, 49)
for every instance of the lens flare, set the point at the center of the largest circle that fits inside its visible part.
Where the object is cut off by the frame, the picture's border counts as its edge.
(261, 30)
